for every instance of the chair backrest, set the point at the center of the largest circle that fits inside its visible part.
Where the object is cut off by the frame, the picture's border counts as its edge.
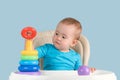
(82, 47)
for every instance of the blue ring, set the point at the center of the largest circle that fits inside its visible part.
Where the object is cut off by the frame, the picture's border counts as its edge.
(28, 68)
(29, 62)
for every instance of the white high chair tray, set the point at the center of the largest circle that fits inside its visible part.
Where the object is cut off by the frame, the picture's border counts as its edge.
(64, 75)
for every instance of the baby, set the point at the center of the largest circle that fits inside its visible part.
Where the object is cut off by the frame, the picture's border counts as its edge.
(60, 55)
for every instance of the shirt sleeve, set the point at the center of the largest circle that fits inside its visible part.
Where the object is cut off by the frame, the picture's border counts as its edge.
(42, 50)
(78, 62)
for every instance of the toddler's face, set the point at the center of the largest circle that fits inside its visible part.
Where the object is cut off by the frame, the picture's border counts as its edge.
(64, 37)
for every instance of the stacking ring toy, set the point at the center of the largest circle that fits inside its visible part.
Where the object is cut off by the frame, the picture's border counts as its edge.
(28, 68)
(29, 73)
(29, 62)
(28, 32)
(29, 57)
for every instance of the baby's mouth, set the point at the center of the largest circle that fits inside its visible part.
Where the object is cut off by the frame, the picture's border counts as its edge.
(57, 42)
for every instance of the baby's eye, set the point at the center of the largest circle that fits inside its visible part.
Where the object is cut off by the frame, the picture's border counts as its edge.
(63, 37)
(56, 33)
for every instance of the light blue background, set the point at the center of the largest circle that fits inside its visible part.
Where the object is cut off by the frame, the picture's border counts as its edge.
(100, 20)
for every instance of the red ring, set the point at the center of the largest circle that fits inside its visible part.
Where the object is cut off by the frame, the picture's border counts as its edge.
(28, 32)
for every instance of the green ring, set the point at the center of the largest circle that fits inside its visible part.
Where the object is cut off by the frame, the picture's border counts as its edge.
(29, 57)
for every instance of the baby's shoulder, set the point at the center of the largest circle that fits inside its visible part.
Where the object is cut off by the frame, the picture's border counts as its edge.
(74, 52)
(49, 46)
(46, 45)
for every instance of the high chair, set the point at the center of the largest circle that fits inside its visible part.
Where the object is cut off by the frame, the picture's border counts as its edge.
(82, 47)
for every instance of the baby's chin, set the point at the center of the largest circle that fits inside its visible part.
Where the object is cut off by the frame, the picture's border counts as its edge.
(56, 47)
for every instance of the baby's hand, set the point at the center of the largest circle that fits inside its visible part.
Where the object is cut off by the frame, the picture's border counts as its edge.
(92, 69)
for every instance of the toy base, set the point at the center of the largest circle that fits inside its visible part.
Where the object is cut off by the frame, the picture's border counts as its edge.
(65, 75)
(29, 73)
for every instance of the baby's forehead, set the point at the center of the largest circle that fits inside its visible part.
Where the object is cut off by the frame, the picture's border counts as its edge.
(64, 33)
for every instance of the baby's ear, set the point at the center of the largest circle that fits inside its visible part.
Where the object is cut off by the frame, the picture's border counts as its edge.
(74, 42)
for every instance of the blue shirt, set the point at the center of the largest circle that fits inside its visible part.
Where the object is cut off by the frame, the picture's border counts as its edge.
(57, 60)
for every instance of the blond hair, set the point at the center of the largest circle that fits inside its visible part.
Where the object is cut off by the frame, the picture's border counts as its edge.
(72, 21)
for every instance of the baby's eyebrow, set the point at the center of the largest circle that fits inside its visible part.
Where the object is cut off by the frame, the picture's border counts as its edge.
(64, 35)
(61, 33)
(57, 31)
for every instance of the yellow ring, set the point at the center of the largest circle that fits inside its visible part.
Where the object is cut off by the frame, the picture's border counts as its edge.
(29, 53)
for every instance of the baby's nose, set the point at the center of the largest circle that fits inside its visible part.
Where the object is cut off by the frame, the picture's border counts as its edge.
(58, 37)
